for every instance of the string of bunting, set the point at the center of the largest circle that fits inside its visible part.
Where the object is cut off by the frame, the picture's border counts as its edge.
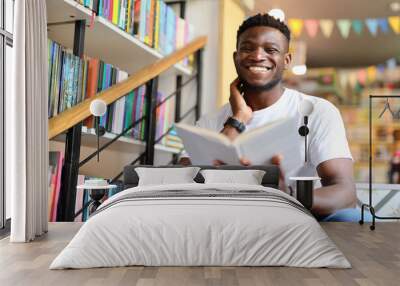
(388, 71)
(345, 26)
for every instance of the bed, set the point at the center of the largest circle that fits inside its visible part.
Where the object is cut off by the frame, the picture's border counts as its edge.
(201, 224)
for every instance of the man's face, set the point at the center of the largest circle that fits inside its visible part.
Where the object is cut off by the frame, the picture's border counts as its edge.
(261, 57)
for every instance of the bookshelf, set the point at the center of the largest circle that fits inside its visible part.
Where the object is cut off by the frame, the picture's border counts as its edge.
(128, 54)
(76, 28)
(103, 40)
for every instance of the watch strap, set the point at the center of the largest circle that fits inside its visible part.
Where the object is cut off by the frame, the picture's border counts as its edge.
(238, 125)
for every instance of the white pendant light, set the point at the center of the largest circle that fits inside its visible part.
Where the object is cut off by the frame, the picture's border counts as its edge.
(278, 14)
(299, 70)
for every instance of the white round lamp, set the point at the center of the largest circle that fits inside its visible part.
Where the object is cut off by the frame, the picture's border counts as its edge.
(98, 108)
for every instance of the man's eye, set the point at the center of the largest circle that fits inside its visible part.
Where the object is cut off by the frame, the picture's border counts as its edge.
(246, 49)
(271, 51)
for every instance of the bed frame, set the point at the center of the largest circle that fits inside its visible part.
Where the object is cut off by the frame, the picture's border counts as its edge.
(270, 179)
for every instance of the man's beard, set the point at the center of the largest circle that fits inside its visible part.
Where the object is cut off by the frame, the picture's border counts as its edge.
(258, 88)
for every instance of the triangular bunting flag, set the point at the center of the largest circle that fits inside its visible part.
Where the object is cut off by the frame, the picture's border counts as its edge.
(391, 63)
(343, 79)
(357, 26)
(380, 68)
(371, 73)
(372, 25)
(362, 76)
(344, 27)
(311, 27)
(326, 27)
(296, 26)
(394, 22)
(353, 79)
(384, 25)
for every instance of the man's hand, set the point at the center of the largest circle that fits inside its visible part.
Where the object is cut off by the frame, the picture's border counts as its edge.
(240, 110)
(277, 160)
(243, 161)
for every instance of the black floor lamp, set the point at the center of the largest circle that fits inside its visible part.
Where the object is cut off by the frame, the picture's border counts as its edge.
(370, 205)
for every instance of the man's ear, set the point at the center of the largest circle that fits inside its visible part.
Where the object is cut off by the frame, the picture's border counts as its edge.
(288, 60)
(234, 60)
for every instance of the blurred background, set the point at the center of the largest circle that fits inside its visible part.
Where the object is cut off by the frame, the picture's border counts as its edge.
(343, 51)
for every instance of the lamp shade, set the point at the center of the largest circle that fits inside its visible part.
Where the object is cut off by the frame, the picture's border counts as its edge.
(306, 107)
(98, 107)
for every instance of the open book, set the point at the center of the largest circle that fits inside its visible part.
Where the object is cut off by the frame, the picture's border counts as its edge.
(258, 145)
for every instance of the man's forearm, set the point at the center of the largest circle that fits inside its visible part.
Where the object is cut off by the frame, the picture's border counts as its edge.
(331, 198)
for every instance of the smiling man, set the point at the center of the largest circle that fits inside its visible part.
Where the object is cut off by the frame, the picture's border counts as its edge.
(258, 97)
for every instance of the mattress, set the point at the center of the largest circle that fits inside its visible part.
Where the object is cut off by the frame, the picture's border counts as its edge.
(201, 225)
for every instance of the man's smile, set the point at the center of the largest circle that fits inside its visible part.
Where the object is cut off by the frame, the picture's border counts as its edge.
(257, 69)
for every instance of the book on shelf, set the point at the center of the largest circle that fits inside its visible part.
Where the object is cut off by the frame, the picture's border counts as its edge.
(152, 21)
(56, 160)
(258, 145)
(90, 76)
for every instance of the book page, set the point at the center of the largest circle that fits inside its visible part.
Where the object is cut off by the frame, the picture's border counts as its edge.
(205, 146)
(261, 144)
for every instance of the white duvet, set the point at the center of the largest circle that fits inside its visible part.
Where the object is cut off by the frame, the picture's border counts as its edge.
(188, 231)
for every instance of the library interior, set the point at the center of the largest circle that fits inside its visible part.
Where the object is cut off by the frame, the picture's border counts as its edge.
(90, 89)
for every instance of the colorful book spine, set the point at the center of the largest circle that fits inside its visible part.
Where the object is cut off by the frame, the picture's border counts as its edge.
(128, 16)
(142, 20)
(157, 25)
(91, 90)
(137, 17)
(58, 185)
(170, 34)
(56, 160)
(116, 8)
(128, 111)
(122, 14)
(100, 11)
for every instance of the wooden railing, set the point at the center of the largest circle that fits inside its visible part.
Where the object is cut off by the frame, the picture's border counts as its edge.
(79, 112)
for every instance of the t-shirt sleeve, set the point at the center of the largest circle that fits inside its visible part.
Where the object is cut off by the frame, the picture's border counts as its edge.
(329, 140)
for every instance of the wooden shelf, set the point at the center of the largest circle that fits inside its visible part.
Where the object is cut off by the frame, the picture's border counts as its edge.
(123, 144)
(103, 40)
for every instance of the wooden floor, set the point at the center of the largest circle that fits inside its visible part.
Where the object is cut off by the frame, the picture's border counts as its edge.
(374, 255)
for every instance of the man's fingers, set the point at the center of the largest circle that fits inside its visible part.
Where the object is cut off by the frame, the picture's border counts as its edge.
(245, 162)
(218, 163)
(277, 159)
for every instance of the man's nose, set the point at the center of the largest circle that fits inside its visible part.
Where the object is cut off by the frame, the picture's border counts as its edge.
(258, 54)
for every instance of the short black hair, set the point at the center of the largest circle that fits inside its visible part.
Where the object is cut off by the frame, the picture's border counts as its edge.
(263, 20)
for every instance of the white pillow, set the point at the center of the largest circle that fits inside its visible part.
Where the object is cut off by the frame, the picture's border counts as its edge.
(163, 176)
(249, 177)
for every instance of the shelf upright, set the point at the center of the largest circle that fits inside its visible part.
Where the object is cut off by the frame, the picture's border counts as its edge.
(151, 120)
(70, 169)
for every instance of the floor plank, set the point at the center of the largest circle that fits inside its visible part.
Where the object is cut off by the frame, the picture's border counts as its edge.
(374, 255)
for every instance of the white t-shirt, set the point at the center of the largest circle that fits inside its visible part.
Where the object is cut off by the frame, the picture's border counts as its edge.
(327, 137)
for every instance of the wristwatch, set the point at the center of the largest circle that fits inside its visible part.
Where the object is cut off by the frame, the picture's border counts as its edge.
(239, 126)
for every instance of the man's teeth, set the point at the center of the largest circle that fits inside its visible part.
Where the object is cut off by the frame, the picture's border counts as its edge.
(259, 69)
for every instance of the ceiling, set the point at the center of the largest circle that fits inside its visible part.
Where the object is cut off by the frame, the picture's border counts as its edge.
(356, 50)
